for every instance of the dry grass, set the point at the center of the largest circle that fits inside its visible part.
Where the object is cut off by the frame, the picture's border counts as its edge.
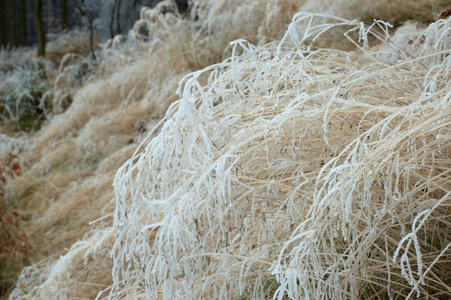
(296, 173)
(11, 59)
(289, 169)
(75, 42)
(74, 157)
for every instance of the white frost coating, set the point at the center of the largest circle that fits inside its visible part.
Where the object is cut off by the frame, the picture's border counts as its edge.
(12, 145)
(291, 173)
(54, 279)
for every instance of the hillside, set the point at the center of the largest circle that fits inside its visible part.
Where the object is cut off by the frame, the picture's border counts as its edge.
(253, 149)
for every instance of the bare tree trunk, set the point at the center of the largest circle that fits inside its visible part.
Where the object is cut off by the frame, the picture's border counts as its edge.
(24, 24)
(65, 15)
(3, 24)
(112, 19)
(118, 16)
(91, 38)
(15, 24)
(37, 7)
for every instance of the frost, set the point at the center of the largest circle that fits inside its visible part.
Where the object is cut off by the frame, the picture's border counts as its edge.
(293, 170)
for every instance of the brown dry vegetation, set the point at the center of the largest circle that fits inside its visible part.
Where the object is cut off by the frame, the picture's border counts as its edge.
(318, 175)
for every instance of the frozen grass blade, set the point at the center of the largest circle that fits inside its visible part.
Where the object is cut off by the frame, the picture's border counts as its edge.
(313, 169)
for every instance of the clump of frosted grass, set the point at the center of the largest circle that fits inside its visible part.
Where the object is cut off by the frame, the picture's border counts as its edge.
(88, 135)
(77, 272)
(20, 95)
(295, 172)
(13, 145)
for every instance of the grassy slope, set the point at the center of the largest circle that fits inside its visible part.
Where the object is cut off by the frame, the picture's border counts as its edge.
(74, 158)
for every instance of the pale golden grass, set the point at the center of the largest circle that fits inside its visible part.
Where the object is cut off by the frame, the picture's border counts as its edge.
(10, 59)
(74, 157)
(75, 41)
(80, 272)
(395, 12)
(296, 173)
(279, 124)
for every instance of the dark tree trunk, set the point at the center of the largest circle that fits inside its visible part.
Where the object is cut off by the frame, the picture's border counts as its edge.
(15, 34)
(37, 8)
(23, 21)
(118, 16)
(112, 19)
(91, 38)
(3, 24)
(64, 14)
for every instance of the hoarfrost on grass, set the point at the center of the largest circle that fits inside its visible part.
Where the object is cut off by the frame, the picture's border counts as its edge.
(293, 172)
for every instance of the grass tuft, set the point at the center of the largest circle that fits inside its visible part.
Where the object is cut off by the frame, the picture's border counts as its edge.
(327, 170)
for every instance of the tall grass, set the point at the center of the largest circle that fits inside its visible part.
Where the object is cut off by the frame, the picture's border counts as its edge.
(286, 169)
(91, 132)
(296, 172)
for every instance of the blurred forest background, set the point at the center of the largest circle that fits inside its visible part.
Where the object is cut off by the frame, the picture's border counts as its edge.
(110, 17)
